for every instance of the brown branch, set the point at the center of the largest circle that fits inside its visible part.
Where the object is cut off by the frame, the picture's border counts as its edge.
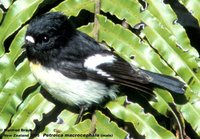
(96, 22)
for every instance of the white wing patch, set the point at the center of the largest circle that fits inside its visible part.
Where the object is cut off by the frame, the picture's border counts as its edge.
(94, 61)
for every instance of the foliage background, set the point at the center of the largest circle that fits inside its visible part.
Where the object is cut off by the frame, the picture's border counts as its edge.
(153, 34)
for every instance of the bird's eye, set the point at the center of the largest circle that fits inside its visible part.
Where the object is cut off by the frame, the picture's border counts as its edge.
(45, 38)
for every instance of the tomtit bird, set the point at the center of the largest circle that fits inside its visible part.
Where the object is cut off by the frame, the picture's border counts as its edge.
(77, 71)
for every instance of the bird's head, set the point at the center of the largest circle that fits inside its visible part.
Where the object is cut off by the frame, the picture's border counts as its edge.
(47, 32)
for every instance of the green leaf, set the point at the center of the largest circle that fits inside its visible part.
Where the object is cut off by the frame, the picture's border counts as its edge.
(116, 7)
(105, 127)
(11, 94)
(1, 15)
(29, 111)
(7, 64)
(128, 44)
(19, 12)
(79, 130)
(73, 7)
(165, 19)
(193, 7)
(191, 113)
(144, 123)
(68, 119)
(6, 3)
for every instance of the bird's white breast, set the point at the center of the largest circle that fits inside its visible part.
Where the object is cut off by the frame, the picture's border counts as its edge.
(71, 91)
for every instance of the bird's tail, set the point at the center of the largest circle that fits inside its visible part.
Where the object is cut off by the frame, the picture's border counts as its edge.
(170, 83)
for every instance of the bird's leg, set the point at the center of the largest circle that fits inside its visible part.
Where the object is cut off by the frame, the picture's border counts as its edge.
(80, 115)
(93, 125)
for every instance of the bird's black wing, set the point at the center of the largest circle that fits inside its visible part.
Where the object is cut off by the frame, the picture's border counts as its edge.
(73, 70)
(117, 71)
(122, 73)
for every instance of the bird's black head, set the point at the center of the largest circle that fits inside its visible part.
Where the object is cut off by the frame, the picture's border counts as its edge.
(45, 34)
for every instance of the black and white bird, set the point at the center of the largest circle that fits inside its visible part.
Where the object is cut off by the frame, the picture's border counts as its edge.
(77, 71)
